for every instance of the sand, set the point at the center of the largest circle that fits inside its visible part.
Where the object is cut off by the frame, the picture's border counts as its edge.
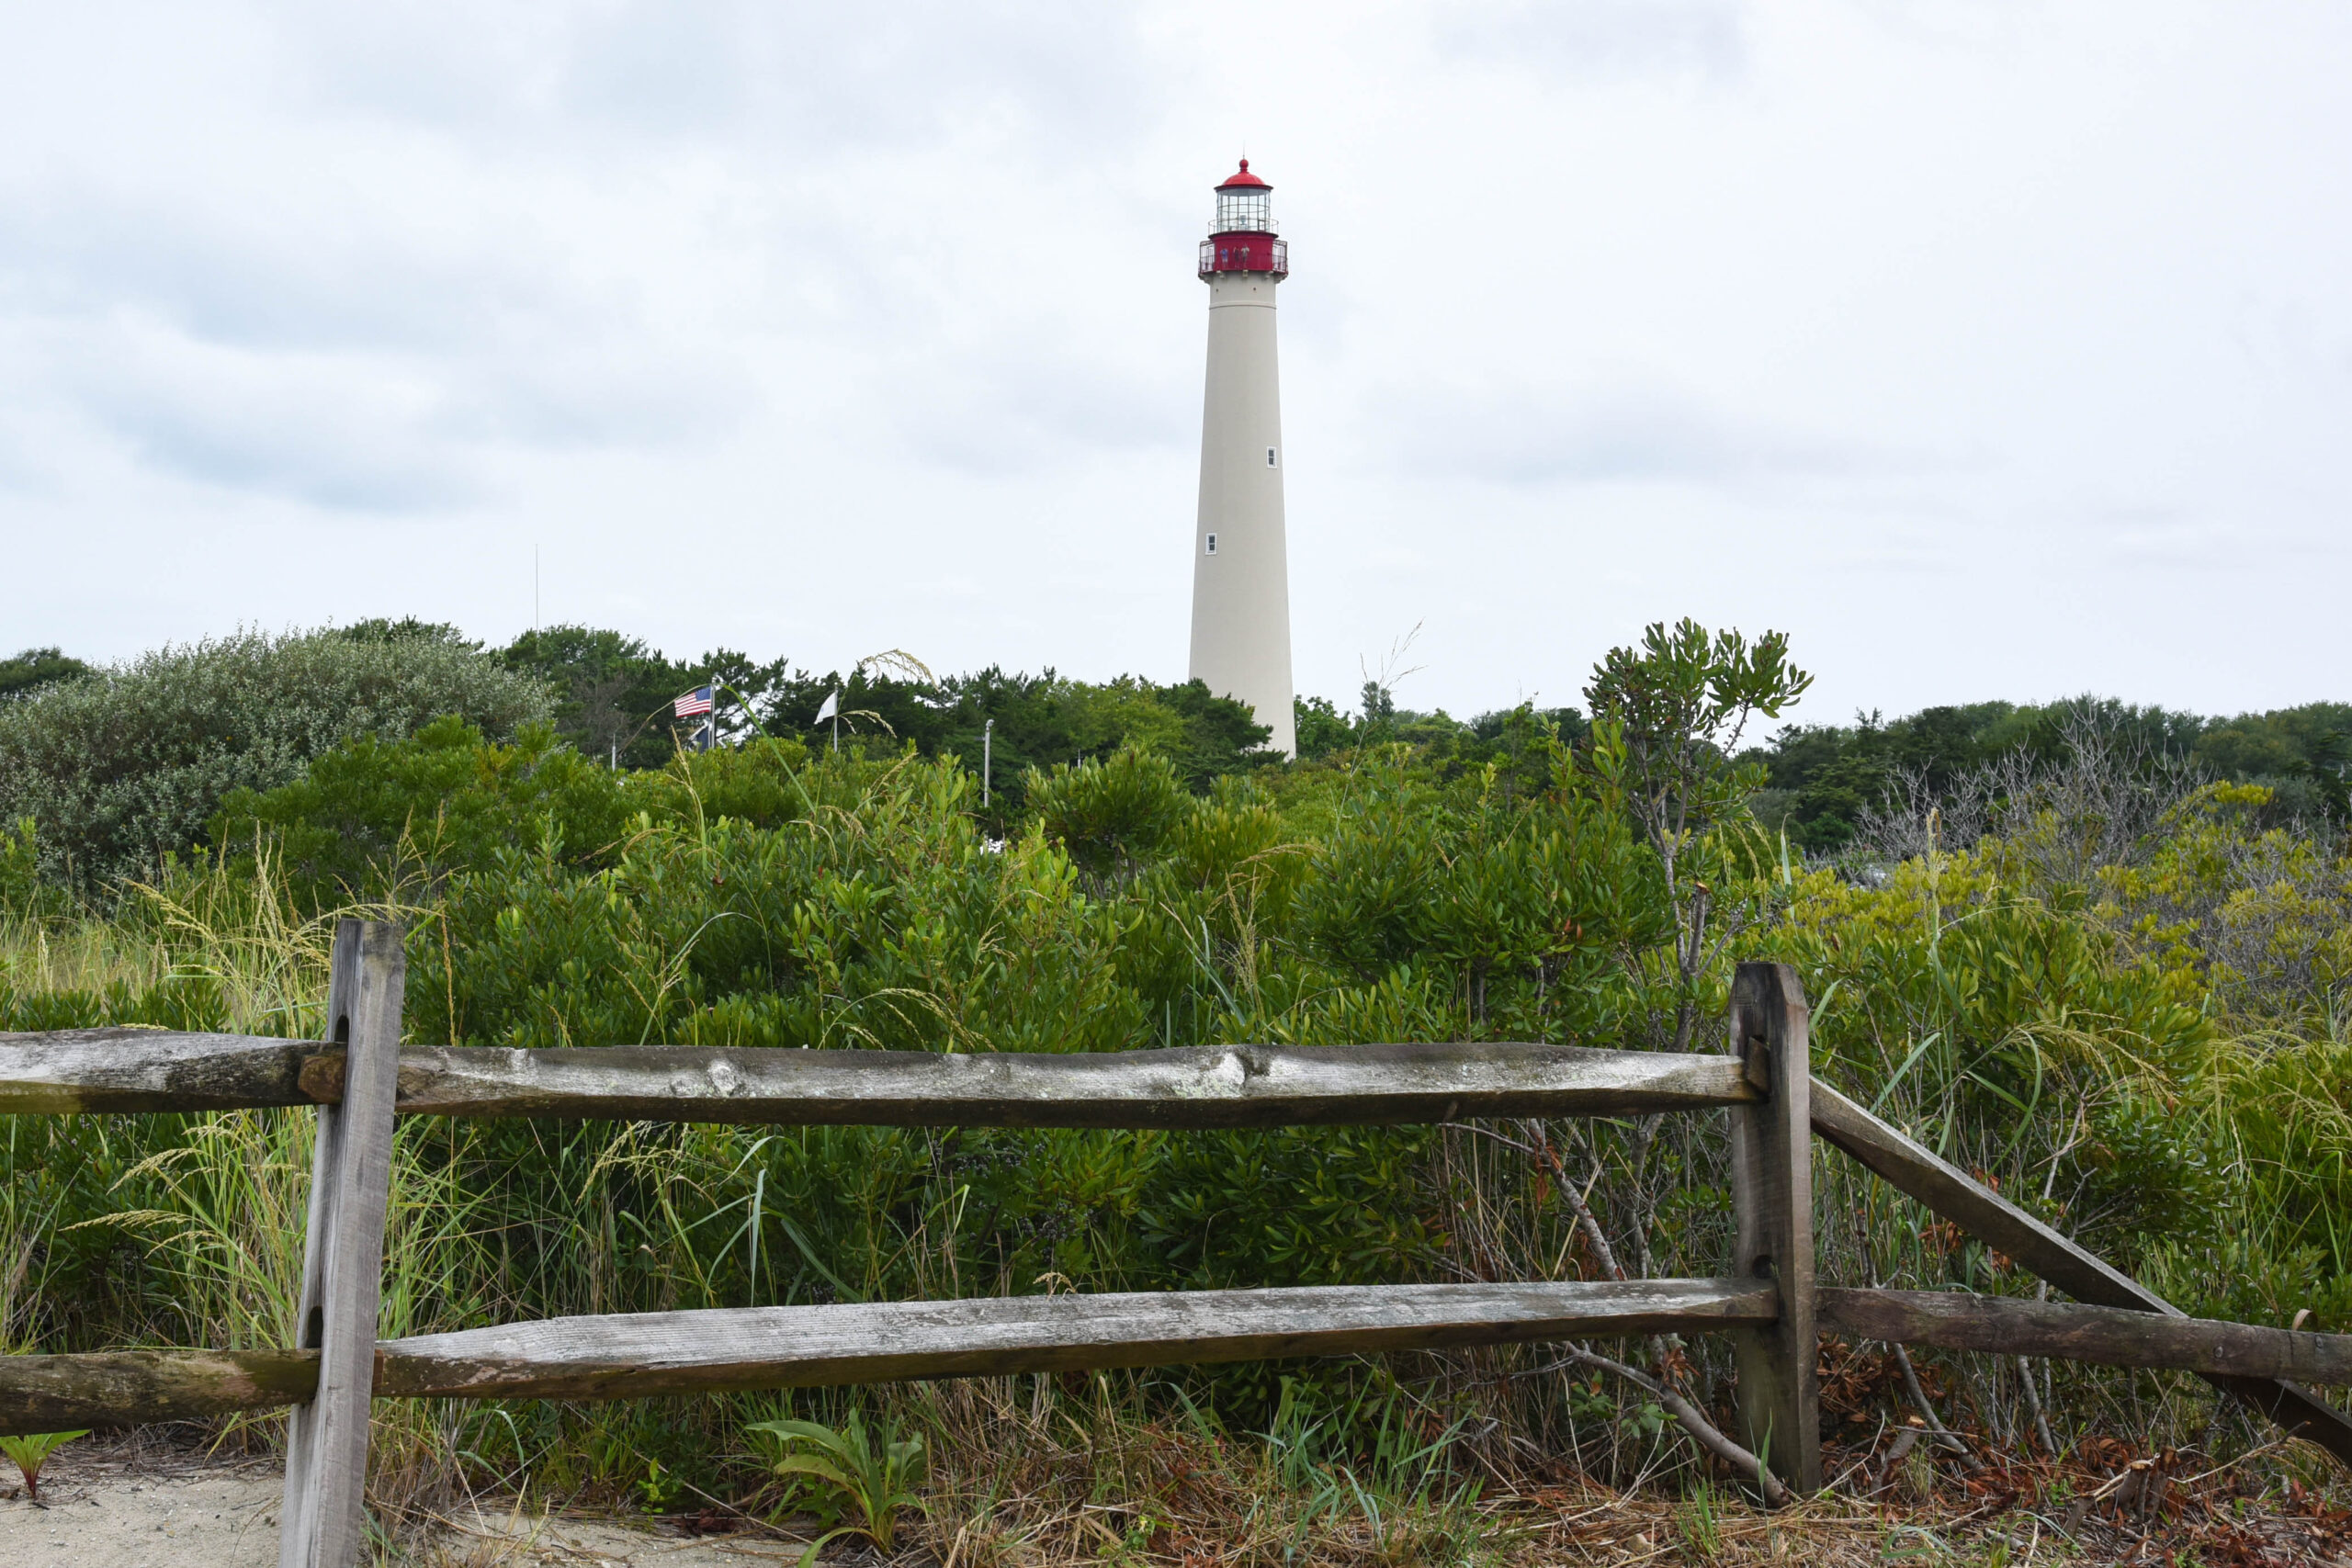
(139, 1503)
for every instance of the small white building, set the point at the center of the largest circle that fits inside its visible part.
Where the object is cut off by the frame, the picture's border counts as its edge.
(1240, 562)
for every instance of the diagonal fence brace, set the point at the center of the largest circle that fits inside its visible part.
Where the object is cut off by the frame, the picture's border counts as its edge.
(1918, 1173)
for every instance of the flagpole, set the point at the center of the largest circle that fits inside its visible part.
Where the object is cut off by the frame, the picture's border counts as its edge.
(831, 708)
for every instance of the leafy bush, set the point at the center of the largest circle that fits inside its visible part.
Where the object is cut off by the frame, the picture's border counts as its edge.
(123, 767)
(22, 890)
(1113, 815)
(613, 694)
(372, 813)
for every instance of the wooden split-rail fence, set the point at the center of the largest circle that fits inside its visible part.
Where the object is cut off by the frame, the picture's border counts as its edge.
(361, 1079)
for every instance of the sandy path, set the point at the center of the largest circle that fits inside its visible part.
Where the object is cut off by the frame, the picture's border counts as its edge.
(140, 1505)
(131, 1503)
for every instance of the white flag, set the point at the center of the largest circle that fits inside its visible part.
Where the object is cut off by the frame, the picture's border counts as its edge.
(833, 707)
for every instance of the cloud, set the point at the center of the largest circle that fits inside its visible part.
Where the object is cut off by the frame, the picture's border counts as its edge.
(322, 429)
(1598, 433)
(239, 275)
(428, 238)
(363, 430)
(1028, 407)
(350, 358)
(1598, 37)
(818, 75)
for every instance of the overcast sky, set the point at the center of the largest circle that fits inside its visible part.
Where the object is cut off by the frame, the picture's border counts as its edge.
(1989, 349)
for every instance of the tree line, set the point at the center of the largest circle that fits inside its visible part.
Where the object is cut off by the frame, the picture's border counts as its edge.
(118, 767)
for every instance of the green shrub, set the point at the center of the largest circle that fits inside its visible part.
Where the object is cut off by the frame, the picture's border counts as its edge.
(123, 767)
(372, 813)
(22, 890)
(1112, 815)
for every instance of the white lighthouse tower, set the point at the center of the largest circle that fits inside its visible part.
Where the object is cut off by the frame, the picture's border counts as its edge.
(1240, 566)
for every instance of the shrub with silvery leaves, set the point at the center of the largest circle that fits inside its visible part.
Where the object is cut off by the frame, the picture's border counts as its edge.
(123, 766)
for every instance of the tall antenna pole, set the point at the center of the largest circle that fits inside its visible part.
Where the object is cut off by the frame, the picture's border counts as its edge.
(988, 738)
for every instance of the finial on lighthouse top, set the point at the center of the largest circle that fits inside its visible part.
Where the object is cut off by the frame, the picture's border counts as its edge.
(1245, 179)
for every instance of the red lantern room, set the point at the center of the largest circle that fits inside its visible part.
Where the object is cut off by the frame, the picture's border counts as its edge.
(1241, 235)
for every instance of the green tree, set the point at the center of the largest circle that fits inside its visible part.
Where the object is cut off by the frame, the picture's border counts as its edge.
(1321, 728)
(35, 668)
(408, 628)
(1040, 722)
(1111, 815)
(1667, 719)
(2305, 753)
(611, 693)
(1822, 778)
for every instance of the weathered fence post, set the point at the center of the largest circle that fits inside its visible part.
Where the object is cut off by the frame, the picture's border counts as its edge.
(323, 1522)
(1771, 1186)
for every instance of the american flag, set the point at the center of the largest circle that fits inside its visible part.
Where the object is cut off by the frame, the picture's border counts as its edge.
(695, 702)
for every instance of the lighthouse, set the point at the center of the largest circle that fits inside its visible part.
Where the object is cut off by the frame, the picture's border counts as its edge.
(1240, 566)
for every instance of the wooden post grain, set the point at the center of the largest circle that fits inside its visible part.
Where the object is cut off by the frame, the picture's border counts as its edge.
(1771, 1164)
(324, 1521)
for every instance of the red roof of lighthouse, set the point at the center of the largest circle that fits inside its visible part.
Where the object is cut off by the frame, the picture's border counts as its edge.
(1245, 179)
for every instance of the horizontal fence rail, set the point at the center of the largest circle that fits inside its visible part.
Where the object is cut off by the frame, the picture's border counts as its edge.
(678, 1352)
(2112, 1337)
(631, 1355)
(1209, 1086)
(135, 1070)
(135, 1388)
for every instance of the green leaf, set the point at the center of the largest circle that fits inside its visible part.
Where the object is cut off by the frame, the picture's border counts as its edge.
(810, 1464)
